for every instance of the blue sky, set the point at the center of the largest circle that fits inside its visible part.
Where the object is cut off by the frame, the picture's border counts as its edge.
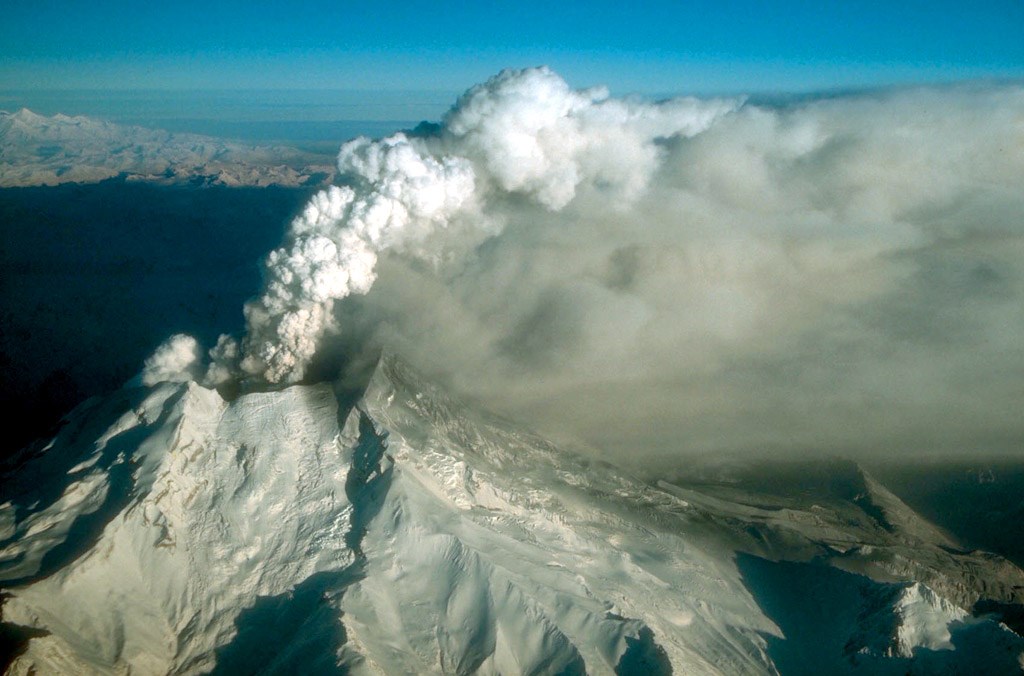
(653, 48)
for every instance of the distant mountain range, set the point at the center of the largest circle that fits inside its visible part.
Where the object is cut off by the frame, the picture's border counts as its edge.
(38, 150)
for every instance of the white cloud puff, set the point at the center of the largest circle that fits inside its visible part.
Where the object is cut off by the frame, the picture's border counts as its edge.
(178, 360)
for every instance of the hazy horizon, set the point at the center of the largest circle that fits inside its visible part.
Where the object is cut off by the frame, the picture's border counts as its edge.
(661, 47)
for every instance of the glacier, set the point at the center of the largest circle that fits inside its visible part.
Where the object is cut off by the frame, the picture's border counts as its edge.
(388, 527)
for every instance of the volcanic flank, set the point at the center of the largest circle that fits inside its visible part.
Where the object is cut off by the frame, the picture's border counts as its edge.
(166, 530)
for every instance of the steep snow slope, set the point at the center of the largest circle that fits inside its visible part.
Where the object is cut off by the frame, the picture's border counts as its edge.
(167, 530)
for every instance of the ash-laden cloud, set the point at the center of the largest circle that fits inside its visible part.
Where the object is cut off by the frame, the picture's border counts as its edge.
(840, 274)
(522, 134)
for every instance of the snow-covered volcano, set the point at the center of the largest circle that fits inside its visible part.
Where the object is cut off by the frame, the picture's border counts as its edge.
(396, 530)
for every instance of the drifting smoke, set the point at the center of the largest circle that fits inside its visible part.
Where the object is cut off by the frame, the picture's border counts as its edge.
(838, 274)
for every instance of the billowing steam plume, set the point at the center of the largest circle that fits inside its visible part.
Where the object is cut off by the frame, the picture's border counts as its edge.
(521, 133)
(831, 274)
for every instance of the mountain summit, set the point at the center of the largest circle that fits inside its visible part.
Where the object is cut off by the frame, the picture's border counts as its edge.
(304, 530)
